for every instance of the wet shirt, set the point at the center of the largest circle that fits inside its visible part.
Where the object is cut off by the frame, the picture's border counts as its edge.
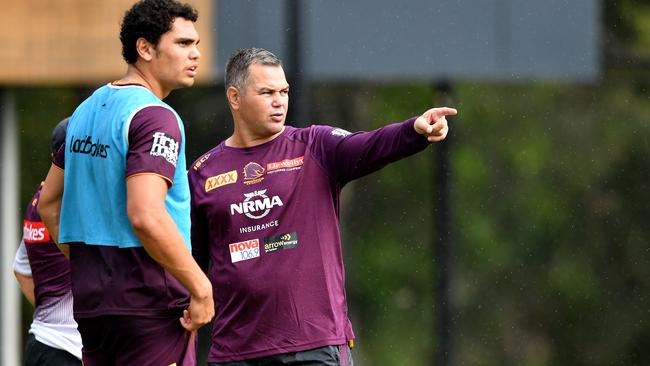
(265, 221)
(127, 281)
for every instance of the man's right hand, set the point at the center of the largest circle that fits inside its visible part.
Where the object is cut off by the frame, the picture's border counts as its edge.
(199, 313)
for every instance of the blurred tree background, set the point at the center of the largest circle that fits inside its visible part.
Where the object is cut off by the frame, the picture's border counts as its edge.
(551, 261)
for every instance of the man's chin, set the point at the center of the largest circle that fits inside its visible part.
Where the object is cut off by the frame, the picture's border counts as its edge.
(186, 83)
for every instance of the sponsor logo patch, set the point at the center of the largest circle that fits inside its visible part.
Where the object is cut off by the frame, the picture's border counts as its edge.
(285, 165)
(201, 161)
(244, 250)
(280, 242)
(87, 146)
(34, 232)
(253, 228)
(253, 173)
(220, 180)
(339, 132)
(255, 205)
(165, 146)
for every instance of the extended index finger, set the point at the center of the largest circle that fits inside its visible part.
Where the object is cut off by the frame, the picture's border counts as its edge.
(444, 111)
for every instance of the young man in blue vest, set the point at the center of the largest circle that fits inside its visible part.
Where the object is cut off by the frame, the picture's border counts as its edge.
(117, 195)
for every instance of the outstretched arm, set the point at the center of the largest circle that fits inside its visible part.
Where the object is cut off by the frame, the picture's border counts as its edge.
(160, 237)
(350, 156)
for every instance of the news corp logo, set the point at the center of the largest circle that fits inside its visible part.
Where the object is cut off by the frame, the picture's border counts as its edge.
(255, 205)
(244, 250)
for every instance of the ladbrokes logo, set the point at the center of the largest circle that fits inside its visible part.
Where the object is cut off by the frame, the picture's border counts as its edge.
(244, 250)
(280, 242)
(220, 180)
(86, 145)
(35, 232)
(253, 173)
(256, 205)
(165, 146)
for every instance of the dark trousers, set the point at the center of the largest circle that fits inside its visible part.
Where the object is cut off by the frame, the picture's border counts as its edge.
(323, 356)
(123, 340)
(39, 354)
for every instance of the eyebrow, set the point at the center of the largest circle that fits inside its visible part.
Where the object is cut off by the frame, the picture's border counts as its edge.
(187, 39)
(267, 88)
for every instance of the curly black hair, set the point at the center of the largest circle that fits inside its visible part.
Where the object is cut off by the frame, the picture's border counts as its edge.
(150, 19)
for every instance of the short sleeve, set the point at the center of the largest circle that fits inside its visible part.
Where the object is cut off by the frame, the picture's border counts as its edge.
(21, 261)
(154, 139)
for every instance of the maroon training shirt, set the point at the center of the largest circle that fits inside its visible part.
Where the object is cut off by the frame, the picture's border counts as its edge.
(267, 218)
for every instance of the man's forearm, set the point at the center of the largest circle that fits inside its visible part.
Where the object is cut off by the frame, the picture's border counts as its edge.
(49, 203)
(159, 236)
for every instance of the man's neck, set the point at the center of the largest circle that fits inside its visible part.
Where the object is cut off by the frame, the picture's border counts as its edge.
(136, 75)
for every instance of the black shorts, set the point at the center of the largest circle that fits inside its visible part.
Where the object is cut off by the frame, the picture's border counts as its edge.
(136, 340)
(323, 356)
(39, 354)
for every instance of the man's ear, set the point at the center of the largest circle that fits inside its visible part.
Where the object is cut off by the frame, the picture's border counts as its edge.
(145, 49)
(234, 96)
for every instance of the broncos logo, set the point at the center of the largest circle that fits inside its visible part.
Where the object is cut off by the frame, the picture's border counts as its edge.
(253, 171)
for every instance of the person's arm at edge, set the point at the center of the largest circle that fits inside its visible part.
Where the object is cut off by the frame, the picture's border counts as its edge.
(49, 204)
(160, 237)
(23, 271)
(26, 284)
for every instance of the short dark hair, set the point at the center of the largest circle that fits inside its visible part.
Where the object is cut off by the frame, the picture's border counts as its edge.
(58, 135)
(239, 62)
(150, 19)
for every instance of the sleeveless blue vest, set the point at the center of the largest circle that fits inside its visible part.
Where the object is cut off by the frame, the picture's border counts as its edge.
(93, 210)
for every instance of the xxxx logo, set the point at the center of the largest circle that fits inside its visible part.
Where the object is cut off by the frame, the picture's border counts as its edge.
(220, 180)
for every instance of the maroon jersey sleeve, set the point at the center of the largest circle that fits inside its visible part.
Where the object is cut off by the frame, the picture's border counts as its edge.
(154, 143)
(347, 156)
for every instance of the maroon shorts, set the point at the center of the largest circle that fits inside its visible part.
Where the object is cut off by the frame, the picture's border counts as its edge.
(136, 340)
